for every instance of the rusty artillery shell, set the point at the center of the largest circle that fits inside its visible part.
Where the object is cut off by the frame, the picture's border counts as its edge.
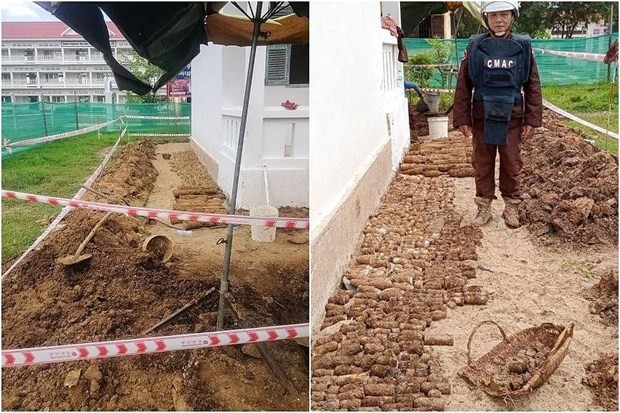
(444, 387)
(434, 393)
(325, 348)
(428, 403)
(352, 394)
(351, 404)
(376, 401)
(426, 386)
(345, 370)
(322, 372)
(438, 340)
(379, 389)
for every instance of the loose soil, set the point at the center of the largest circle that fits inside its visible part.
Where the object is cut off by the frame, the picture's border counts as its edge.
(421, 271)
(602, 376)
(122, 291)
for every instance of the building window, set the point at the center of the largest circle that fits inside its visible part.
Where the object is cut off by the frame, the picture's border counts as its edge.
(6, 99)
(287, 65)
(58, 99)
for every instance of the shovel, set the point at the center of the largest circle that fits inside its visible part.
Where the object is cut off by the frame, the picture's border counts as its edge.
(77, 257)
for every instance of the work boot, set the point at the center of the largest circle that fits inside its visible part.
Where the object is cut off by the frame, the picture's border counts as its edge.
(511, 212)
(484, 211)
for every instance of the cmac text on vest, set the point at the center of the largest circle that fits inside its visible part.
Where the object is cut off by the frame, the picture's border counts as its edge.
(499, 63)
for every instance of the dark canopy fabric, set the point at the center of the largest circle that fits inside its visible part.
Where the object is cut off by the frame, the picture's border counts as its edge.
(412, 13)
(167, 34)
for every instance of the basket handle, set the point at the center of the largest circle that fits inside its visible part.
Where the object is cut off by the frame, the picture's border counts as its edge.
(471, 336)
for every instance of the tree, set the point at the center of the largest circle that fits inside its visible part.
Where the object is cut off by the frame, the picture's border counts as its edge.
(144, 71)
(532, 20)
(565, 16)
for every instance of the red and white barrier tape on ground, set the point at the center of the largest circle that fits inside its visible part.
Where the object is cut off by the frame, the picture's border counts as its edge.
(131, 347)
(66, 209)
(595, 57)
(278, 222)
(156, 117)
(50, 138)
(579, 120)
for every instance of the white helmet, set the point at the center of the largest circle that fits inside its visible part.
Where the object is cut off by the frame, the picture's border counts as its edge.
(493, 6)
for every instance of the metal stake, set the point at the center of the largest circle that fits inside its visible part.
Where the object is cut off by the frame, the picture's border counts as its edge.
(233, 195)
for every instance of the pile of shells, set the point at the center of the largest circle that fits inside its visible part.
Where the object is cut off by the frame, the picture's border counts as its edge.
(451, 156)
(414, 261)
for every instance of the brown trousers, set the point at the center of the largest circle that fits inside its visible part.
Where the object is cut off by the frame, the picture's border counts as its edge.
(510, 162)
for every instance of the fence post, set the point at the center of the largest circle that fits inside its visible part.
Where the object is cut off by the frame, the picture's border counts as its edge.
(77, 121)
(43, 111)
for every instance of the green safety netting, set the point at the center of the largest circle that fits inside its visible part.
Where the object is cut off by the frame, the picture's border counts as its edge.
(554, 70)
(21, 121)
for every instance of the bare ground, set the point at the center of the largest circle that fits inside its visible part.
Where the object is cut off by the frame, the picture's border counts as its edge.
(123, 290)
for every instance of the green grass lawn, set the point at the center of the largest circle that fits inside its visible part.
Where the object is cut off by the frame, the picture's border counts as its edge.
(590, 103)
(57, 169)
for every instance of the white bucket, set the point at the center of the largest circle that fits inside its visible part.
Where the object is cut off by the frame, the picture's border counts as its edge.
(262, 233)
(432, 101)
(438, 127)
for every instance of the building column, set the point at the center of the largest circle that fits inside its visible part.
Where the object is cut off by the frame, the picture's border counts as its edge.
(447, 25)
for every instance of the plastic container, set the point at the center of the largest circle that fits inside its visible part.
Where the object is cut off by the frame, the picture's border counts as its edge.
(432, 101)
(262, 233)
(438, 127)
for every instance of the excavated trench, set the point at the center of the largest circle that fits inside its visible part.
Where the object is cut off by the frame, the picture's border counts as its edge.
(122, 291)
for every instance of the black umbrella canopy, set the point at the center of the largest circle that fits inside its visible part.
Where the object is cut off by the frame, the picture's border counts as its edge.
(167, 34)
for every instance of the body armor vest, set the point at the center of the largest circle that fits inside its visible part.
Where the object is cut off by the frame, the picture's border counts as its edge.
(498, 69)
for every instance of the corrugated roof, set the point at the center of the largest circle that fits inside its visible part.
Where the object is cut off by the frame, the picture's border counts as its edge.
(47, 30)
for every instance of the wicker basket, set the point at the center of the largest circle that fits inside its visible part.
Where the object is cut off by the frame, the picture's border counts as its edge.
(486, 371)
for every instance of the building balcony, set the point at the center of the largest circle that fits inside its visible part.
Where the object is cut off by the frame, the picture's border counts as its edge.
(50, 58)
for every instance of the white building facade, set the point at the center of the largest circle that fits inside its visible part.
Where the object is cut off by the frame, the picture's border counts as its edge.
(49, 61)
(275, 158)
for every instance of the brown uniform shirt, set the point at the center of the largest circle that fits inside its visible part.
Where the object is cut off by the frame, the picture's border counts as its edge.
(528, 112)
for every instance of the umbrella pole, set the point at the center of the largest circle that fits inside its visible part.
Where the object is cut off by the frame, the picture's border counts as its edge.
(233, 195)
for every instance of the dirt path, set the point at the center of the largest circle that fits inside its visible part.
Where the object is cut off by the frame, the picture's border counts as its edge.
(528, 285)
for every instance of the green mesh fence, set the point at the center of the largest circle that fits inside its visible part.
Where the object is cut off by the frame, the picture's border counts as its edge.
(21, 121)
(554, 70)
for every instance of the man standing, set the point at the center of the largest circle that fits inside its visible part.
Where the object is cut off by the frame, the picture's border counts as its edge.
(498, 98)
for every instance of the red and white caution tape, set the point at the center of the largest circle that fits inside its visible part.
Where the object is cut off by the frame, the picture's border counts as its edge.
(132, 347)
(66, 209)
(58, 136)
(435, 65)
(596, 57)
(157, 117)
(424, 89)
(278, 222)
(579, 120)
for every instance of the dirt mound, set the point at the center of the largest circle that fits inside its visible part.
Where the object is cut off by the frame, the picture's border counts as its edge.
(604, 298)
(451, 156)
(414, 261)
(131, 176)
(602, 377)
(572, 188)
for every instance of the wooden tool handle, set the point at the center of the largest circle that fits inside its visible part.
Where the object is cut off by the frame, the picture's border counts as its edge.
(92, 233)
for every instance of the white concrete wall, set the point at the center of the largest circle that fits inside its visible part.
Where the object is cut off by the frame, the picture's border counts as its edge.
(207, 100)
(356, 91)
(275, 139)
